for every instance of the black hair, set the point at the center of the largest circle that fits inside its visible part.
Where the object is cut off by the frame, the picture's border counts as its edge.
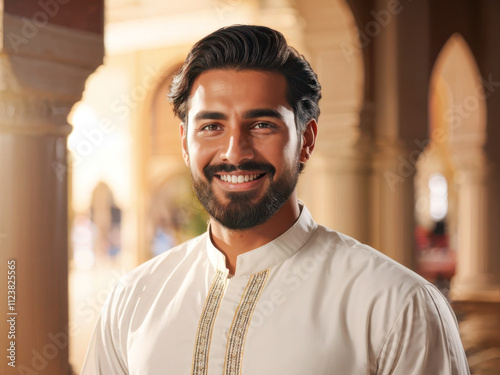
(246, 47)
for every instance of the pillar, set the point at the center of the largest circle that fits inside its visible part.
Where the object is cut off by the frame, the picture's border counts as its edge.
(49, 49)
(335, 184)
(394, 35)
(393, 200)
(475, 289)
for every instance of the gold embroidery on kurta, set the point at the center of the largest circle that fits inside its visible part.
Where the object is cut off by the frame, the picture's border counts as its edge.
(206, 324)
(241, 322)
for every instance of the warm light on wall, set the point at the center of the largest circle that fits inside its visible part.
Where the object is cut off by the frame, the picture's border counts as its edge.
(81, 117)
(438, 196)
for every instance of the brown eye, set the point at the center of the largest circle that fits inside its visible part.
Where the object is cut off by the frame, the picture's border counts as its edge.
(263, 125)
(210, 127)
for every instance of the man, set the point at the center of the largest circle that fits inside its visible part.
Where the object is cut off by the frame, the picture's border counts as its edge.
(265, 290)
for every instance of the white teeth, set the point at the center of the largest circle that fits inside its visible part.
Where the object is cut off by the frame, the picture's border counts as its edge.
(238, 179)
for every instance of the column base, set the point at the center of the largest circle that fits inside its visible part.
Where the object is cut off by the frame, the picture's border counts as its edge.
(480, 333)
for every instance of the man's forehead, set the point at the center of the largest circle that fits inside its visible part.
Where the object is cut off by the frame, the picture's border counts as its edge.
(241, 85)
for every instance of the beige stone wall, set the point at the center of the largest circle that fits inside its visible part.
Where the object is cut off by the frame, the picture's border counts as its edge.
(43, 71)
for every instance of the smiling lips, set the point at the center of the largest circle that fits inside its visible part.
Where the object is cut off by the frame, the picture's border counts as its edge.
(238, 179)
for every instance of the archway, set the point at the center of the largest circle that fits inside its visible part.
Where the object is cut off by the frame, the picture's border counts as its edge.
(463, 118)
(173, 214)
(474, 287)
(164, 128)
(95, 240)
(436, 195)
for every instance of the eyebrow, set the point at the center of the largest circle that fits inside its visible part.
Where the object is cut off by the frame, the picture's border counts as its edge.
(262, 112)
(252, 113)
(210, 115)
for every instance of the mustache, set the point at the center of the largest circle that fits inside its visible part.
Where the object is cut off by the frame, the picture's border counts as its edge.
(210, 170)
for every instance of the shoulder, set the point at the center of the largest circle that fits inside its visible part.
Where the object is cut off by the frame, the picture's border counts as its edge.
(168, 267)
(387, 297)
(183, 252)
(353, 259)
(368, 281)
(426, 321)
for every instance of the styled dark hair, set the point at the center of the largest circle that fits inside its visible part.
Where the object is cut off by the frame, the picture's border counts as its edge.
(246, 47)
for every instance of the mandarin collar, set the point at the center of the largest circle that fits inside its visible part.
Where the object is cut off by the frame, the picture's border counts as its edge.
(270, 254)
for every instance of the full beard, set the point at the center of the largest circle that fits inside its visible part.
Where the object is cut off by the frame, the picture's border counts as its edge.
(242, 212)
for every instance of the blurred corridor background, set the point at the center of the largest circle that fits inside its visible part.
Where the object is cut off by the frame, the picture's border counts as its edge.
(92, 182)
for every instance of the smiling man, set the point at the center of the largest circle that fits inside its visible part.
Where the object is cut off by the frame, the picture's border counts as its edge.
(244, 154)
(265, 290)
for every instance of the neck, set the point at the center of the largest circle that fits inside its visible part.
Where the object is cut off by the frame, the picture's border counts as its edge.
(233, 243)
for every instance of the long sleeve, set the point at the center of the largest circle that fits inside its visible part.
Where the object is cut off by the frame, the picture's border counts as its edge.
(104, 355)
(424, 339)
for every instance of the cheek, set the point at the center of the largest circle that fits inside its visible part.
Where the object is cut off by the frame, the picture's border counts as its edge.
(290, 147)
(199, 155)
(281, 157)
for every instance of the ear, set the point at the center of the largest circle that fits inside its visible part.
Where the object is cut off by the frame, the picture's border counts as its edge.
(183, 134)
(308, 140)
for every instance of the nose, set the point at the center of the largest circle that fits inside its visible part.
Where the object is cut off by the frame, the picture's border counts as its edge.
(237, 150)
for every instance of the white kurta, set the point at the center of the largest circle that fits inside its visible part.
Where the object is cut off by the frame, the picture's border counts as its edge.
(313, 301)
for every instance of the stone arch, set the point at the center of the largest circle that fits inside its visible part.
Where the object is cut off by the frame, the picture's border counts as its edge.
(464, 115)
(476, 286)
(107, 218)
(456, 114)
(161, 143)
(466, 112)
(171, 207)
(164, 127)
